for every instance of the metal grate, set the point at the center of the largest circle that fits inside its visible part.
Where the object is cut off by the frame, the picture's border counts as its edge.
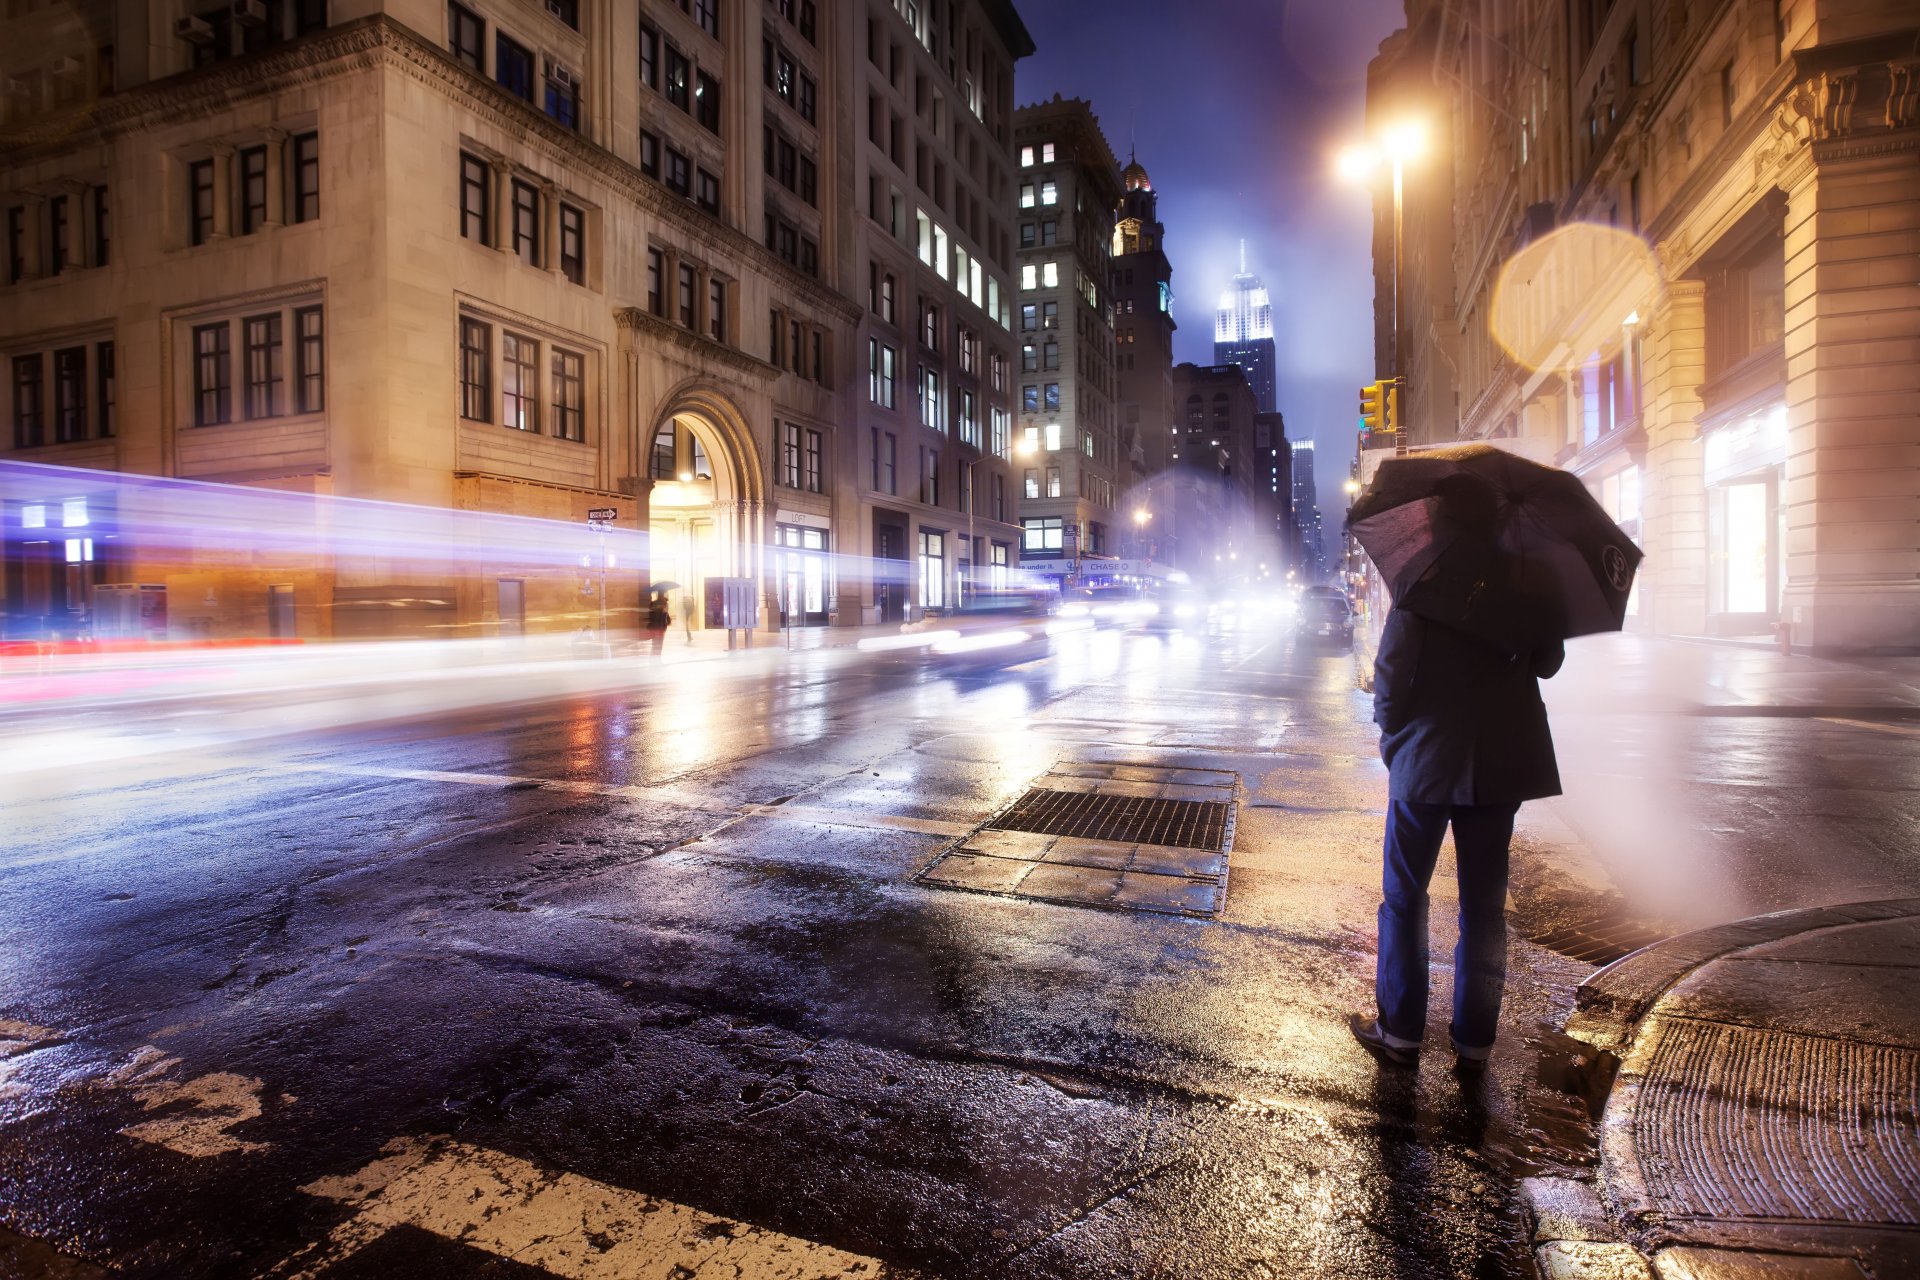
(1598, 943)
(1184, 824)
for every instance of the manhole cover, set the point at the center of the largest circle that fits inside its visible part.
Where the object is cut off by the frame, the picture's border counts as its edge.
(1127, 837)
(1185, 824)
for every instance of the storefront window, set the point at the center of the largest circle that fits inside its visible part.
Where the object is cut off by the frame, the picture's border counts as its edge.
(933, 569)
(804, 578)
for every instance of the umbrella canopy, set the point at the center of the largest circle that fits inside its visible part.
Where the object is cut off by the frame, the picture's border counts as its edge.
(657, 587)
(1495, 544)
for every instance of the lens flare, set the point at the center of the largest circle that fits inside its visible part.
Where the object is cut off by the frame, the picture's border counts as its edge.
(1570, 296)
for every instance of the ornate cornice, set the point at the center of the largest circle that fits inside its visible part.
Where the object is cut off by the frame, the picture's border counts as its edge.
(634, 320)
(372, 43)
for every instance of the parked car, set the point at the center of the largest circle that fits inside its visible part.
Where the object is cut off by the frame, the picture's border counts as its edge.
(1326, 614)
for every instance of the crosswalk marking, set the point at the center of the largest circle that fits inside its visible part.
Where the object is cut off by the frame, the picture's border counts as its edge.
(561, 1223)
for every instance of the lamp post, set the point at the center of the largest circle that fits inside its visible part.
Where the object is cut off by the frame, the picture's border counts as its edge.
(1021, 449)
(1396, 144)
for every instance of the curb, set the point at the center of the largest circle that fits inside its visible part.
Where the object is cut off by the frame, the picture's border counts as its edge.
(1573, 1234)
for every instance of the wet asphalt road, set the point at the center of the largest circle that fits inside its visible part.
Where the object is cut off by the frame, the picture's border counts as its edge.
(666, 945)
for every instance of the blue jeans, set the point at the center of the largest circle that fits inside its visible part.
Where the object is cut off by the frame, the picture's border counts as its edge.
(1480, 837)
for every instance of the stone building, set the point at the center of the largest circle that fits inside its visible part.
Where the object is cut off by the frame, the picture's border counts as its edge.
(1741, 393)
(490, 257)
(1228, 507)
(1143, 359)
(1071, 481)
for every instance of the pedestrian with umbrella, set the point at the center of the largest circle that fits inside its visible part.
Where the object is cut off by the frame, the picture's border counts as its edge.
(658, 618)
(1492, 561)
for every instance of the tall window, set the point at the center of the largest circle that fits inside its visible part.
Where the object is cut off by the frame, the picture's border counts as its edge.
(70, 394)
(656, 282)
(706, 102)
(679, 72)
(309, 360)
(264, 368)
(563, 98)
(465, 33)
(790, 454)
(569, 395)
(687, 296)
(1032, 483)
(649, 56)
(717, 309)
(519, 382)
(306, 177)
(930, 399)
(573, 238)
(212, 375)
(103, 373)
(706, 191)
(930, 477)
(513, 66)
(29, 421)
(200, 200)
(476, 370)
(57, 225)
(17, 244)
(476, 179)
(813, 475)
(253, 189)
(526, 222)
(707, 14)
(933, 569)
(1053, 482)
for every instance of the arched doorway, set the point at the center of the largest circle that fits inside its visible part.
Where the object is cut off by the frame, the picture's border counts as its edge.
(704, 513)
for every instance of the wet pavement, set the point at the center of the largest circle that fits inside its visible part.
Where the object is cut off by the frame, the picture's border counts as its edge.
(620, 983)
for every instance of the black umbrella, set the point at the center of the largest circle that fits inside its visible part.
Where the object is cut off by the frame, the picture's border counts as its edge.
(1495, 544)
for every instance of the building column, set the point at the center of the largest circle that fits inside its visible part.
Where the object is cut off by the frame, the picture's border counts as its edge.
(1853, 396)
(222, 192)
(276, 142)
(1673, 498)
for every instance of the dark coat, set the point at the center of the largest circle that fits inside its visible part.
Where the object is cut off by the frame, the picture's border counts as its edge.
(1460, 721)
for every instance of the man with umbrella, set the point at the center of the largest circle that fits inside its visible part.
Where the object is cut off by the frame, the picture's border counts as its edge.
(1492, 561)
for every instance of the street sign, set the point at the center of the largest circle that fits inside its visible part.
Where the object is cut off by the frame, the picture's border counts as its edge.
(603, 513)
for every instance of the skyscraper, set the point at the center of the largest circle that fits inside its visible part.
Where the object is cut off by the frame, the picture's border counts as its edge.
(1306, 513)
(1243, 333)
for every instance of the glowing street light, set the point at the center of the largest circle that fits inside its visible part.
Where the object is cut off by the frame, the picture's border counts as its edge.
(1141, 515)
(1396, 144)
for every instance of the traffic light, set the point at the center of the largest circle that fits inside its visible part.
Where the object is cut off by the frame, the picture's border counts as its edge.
(1372, 407)
(1392, 424)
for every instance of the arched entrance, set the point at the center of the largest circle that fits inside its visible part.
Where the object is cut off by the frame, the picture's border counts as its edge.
(705, 516)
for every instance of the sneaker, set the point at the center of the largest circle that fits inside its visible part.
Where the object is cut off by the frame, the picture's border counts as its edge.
(1376, 1042)
(1470, 1062)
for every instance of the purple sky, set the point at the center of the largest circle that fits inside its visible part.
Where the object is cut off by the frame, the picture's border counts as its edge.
(1235, 108)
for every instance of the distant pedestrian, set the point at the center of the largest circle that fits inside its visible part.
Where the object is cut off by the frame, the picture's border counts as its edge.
(658, 620)
(1465, 739)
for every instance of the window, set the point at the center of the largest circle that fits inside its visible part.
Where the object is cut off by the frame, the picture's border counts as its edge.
(1001, 427)
(519, 382)
(929, 326)
(569, 395)
(1029, 276)
(930, 400)
(1049, 194)
(265, 370)
(677, 78)
(17, 244)
(200, 201)
(706, 192)
(649, 154)
(306, 177)
(1050, 355)
(706, 13)
(476, 370)
(1050, 274)
(656, 282)
(820, 357)
(573, 237)
(58, 238)
(930, 477)
(679, 173)
(886, 297)
(1029, 316)
(649, 57)
(1053, 482)
(562, 96)
(790, 454)
(1726, 95)
(1029, 358)
(1026, 195)
(717, 310)
(29, 425)
(465, 33)
(513, 66)
(969, 420)
(212, 375)
(881, 367)
(1041, 533)
(687, 297)
(1030, 398)
(706, 95)
(309, 360)
(933, 569)
(526, 222)
(103, 374)
(885, 478)
(1049, 315)
(813, 477)
(475, 206)
(1052, 399)
(1032, 488)
(253, 189)
(70, 394)
(997, 363)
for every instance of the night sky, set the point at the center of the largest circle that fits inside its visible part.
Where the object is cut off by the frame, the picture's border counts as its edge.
(1235, 107)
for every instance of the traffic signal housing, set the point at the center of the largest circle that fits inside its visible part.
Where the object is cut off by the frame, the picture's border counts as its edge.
(1372, 408)
(1392, 423)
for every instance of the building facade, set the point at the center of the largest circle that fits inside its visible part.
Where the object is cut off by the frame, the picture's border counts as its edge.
(1306, 514)
(1243, 334)
(1734, 185)
(1229, 509)
(1143, 361)
(1073, 467)
(506, 258)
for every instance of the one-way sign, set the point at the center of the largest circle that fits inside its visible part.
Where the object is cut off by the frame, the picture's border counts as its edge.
(599, 514)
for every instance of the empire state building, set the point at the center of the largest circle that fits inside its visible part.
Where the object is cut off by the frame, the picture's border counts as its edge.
(1243, 333)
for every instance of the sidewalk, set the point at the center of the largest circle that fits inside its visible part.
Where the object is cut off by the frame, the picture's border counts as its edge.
(1762, 1123)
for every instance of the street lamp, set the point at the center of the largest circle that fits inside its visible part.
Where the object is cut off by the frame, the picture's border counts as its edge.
(1022, 448)
(1398, 143)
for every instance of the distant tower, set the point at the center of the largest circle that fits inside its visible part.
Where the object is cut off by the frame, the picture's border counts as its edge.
(1243, 333)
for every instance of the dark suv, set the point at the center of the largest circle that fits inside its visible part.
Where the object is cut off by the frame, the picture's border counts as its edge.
(1326, 615)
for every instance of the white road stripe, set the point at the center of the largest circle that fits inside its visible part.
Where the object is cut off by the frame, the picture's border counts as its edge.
(562, 1223)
